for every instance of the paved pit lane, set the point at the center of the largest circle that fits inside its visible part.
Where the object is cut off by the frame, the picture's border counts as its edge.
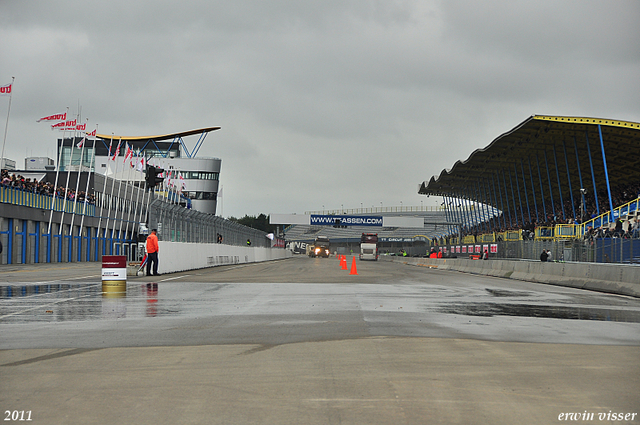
(302, 341)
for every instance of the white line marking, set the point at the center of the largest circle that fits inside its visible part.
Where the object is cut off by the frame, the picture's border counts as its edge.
(45, 305)
(174, 278)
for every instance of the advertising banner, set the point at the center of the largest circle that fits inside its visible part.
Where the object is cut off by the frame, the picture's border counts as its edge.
(345, 220)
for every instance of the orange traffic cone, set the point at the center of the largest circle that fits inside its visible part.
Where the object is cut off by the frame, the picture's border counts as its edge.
(353, 266)
(343, 262)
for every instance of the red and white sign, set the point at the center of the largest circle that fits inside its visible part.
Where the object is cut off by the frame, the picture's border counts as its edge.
(114, 267)
(493, 248)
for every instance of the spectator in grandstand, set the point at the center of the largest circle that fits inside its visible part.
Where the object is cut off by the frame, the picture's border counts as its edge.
(618, 232)
(635, 228)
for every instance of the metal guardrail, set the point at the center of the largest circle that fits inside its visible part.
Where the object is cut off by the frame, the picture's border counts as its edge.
(21, 197)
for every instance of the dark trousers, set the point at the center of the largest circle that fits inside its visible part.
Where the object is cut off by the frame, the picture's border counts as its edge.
(152, 257)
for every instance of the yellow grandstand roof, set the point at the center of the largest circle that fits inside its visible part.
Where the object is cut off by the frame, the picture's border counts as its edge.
(564, 142)
(159, 137)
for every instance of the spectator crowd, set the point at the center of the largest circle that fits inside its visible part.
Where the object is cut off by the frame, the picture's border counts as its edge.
(584, 213)
(18, 181)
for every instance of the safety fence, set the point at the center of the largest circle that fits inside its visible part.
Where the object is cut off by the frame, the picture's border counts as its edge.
(31, 233)
(597, 250)
(21, 197)
(559, 232)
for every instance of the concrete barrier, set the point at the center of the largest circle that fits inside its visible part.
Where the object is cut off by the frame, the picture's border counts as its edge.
(180, 256)
(619, 279)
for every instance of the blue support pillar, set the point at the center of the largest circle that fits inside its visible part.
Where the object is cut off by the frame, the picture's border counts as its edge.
(487, 204)
(593, 176)
(553, 207)
(9, 233)
(482, 207)
(70, 248)
(506, 197)
(544, 205)
(476, 209)
(513, 198)
(23, 234)
(456, 211)
(533, 189)
(496, 218)
(454, 216)
(515, 171)
(526, 194)
(48, 247)
(555, 160)
(446, 211)
(60, 240)
(471, 211)
(88, 243)
(504, 220)
(566, 161)
(36, 243)
(584, 203)
(606, 173)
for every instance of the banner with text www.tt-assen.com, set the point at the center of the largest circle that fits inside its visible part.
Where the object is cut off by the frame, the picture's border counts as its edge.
(345, 220)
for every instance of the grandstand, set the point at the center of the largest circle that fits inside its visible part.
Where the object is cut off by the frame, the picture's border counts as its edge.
(568, 180)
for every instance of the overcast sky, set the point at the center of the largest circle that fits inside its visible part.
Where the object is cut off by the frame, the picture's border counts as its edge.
(322, 103)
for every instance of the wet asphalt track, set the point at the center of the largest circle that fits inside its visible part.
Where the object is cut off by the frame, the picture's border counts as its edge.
(303, 300)
(302, 341)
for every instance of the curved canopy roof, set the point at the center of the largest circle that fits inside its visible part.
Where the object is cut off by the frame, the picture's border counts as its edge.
(539, 143)
(159, 137)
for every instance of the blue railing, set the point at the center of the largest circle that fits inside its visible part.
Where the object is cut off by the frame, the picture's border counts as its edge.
(11, 195)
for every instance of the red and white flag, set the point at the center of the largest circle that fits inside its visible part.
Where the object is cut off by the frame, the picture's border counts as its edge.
(6, 90)
(117, 152)
(92, 134)
(68, 125)
(54, 117)
(140, 165)
(81, 143)
(128, 152)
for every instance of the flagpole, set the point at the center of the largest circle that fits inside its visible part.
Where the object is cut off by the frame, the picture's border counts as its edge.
(113, 183)
(135, 210)
(151, 191)
(66, 189)
(104, 193)
(144, 165)
(118, 197)
(77, 189)
(6, 127)
(86, 190)
(55, 185)
(126, 190)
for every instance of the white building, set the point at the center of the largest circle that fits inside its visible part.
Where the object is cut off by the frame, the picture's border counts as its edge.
(201, 175)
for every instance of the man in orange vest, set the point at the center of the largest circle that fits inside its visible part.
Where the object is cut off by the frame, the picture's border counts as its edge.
(152, 253)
